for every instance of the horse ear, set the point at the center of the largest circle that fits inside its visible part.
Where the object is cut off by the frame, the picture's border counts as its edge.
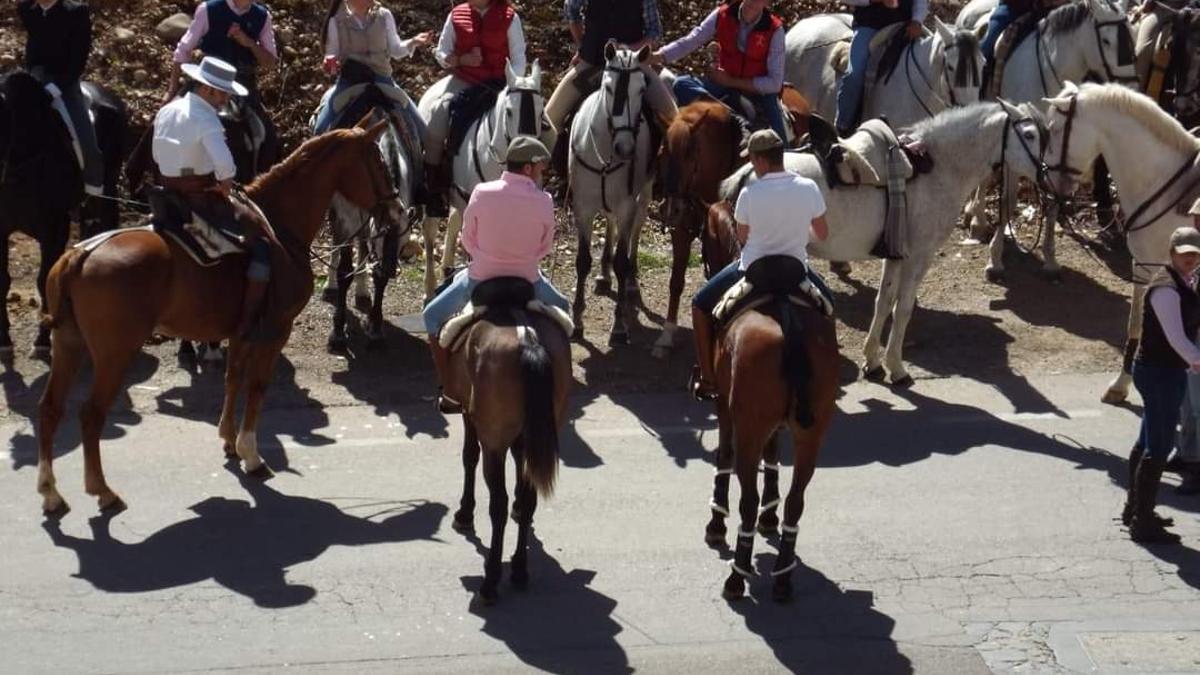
(1009, 108)
(374, 131)
(610, 50)
(943, 31)
(509, 74)
(535, 72)
(365, 122)
(643, 54)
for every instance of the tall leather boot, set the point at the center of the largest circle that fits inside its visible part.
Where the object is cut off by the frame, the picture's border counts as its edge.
(441, 364)
(437, 183)
(252, 303)
(1144, 528)
(1135, 458)
(704, 378)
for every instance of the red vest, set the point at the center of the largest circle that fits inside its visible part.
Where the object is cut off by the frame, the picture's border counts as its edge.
(752, 62)
(488, 32)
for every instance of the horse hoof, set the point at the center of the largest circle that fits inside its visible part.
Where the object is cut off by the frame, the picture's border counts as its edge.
(995, 275)
(57, 513)
(336, 344)
(840, 268)
(114, 506)
(262, 474)
(1053, 276)
(463, 525)
(1113, 397)
(618, 339)
(903, 383)
(602, 287)
(230, 450)
(876, 374)
(329, 294)
(735, 587)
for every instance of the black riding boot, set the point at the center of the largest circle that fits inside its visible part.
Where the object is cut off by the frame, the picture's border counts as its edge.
(1144, 528)
(1135, 458)
(437, 183)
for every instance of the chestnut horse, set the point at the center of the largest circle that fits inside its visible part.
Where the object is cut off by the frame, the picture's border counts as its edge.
(777, 367)
(106, 303)
(512, 373)
(701, 148)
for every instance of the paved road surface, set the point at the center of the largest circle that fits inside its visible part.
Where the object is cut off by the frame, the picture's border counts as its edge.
(954, 528)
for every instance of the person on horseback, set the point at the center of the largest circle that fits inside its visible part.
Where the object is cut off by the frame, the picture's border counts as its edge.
(631, 23)
(767, 213)
(238, 32)
(1003, 16)
(58, 43)
(750, 62)
(196, 167)
(871, 16)
(508, 228)
(477, 39)
(364, 32)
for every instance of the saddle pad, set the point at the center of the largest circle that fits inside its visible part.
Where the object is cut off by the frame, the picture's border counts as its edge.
(456, 327)
(92, 243)
(740, 298)
(347, 95)
(204, 243)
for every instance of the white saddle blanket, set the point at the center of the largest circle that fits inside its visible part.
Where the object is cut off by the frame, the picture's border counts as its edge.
(456, 327)
(806, 294)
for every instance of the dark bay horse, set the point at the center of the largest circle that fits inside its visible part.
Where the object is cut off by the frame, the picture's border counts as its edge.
(701, 148)
(512, 373)
(41, 182)
(106, 303)
(777, 368)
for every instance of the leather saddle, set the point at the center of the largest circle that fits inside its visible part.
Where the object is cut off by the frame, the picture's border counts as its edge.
(206, 236)
(513, 293)
(769, 278)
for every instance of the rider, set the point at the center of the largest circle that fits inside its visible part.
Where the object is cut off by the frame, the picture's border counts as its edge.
(56, 52)
(365, 31)
(871, 16)
(775, 216)
(751, 40)
(195, 164)
(239, 32)
(478, 38)
(508, 227)
(633, 23)
(1005, 13)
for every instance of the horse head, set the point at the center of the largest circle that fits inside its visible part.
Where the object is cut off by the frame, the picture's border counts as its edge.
(621, 89)
(519, 107)
(1070, 144)
(962, 68)
(363, 178)
(1185, 44)
(1111, 40)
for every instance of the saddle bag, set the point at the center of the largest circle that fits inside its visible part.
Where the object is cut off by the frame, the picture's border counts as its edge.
(776, 273)
(502, 292)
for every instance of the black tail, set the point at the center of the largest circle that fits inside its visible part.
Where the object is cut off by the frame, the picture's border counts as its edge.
(539, 431)
(797, 370)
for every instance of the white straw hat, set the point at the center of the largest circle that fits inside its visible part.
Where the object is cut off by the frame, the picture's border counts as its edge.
(217, 74)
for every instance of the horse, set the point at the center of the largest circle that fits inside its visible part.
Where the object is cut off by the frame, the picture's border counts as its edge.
(513, 373)
(377, 242)
(777, 368)
(1147, 148)
(937, 71)
(41, 180)
(106, 301)
(1176, 84)
(964, 144)
(1088, 37)
(517, 112)
(610, 173)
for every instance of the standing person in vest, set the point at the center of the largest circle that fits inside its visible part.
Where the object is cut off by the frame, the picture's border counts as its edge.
(364, 31)
(871, 16)
(630, 23)
(752, 47)
(240, 33)
(477, 40)
(1170, 322)
(58, 43)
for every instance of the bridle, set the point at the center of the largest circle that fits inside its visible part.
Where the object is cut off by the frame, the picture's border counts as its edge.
(486, 125)
(1018, 124)
(619, 105)
(965, 63)
(1125, 54)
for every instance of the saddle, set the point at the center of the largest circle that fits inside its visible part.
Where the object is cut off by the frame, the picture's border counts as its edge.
(501, 292)
(466, 107)
(206, 234)
(1011, 38)
(747, 116)
(59, 107)
(887, 48)
(769, 278)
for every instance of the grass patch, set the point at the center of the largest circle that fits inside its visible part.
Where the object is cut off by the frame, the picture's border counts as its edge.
(654, 260)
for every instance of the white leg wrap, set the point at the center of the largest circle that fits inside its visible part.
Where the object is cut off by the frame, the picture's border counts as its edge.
(247, 449)
(717, 508)
(745, 534)
(725, 472)
(789, 568)
(768, 506)
(791, 529)
(770, 467)
(745, 573)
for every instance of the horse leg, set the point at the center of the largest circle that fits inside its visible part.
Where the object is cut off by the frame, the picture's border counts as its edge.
(337, 336)
(714, 533)
(978, 226)
(67, 354)
(523, 508)
(994, 272)
(681, 250)
(1051, 271)
(910, 279)
(604, 279)
(108, 372)
(465, 515)
(450, 246)
(429, 232)
(259, 362)
(1118, 389)
(806, 444)
(6, 345)
(52, 243)
(583, 266)
(884, 300)
(493, 474)
(389, 257)
(330, 291)
(634, 289)
(619, 335)
(768, 517)
(747, 449)
(235, 371)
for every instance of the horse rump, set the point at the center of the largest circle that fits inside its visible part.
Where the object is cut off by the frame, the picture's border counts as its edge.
(58, 287)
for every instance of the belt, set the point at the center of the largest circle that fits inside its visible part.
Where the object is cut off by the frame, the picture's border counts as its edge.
(189, 184)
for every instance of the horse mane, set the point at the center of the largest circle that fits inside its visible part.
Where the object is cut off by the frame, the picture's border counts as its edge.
(1068, 17)
(309, 152)
(1142, 109)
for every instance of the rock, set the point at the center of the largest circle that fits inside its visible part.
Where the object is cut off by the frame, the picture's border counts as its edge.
(14, 297)
(123, 35)
(172, 28)
(140, 76)
(33, 302)
(285, 35)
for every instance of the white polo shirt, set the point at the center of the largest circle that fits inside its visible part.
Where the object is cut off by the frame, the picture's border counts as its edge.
(779, 208)
(189, 140)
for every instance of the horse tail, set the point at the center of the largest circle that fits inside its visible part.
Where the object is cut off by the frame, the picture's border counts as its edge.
(539, 430)
(58, 287)
(797, 369)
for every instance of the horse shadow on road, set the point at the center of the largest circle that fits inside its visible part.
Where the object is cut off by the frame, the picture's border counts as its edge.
(244, 547)
(560, 624)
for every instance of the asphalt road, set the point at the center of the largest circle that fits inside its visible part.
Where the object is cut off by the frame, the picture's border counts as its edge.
(957, 527)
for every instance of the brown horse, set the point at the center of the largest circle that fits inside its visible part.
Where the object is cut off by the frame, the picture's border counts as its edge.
(512, 372)
(701, 148)
(777, 367)
(108, 302)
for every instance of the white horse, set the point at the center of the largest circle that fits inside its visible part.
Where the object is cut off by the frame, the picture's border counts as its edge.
(1146, 148)
(964, 144)
(610, 158)
(1081, 39)
(940, 70)
(517, 112)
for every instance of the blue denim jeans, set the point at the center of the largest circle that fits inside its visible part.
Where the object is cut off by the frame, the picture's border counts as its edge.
(1162, 390)
(451, 299)
(1189, 421)
(688, 88)
(328, 117)
(1001, 18)
(850, 87)
(715, 288)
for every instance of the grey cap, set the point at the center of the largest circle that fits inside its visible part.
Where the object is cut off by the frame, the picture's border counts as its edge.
(527, 150)
(763, 140)
(1185, 240)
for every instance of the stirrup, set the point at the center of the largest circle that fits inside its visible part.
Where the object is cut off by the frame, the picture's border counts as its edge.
(701, 390)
